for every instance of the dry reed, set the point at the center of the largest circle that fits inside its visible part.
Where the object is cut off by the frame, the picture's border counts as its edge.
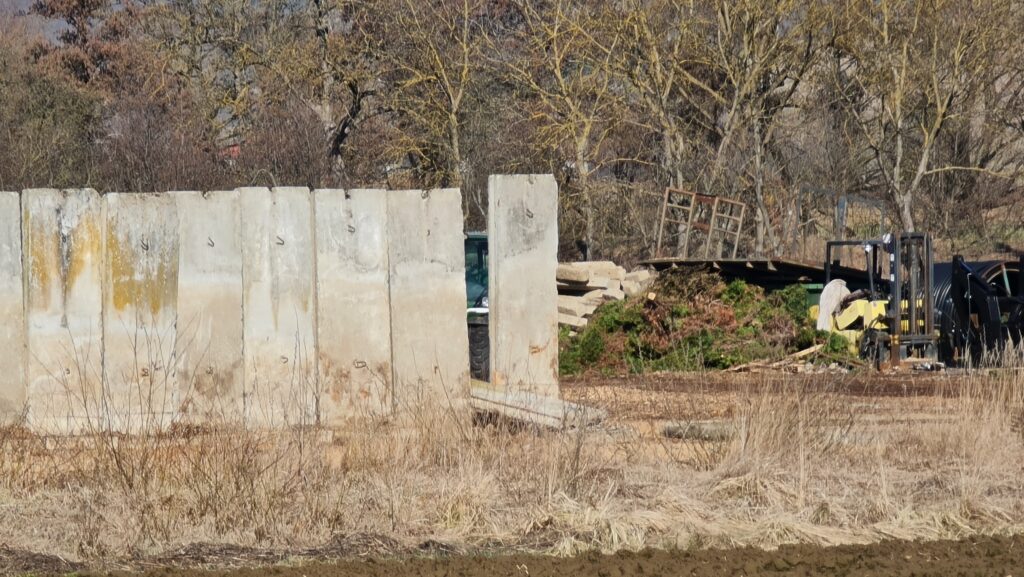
(793, 462)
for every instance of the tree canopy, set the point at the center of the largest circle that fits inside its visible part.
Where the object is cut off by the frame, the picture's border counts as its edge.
(785, 105)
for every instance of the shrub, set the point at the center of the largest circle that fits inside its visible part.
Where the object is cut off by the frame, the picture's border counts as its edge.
(697, 321)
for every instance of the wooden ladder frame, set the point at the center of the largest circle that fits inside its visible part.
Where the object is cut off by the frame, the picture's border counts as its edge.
(723, 217)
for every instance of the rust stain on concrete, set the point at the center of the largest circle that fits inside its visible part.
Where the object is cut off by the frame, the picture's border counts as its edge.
(131, 285)
(354, 391)
(60, 251)
(85, 250)
(42, 261)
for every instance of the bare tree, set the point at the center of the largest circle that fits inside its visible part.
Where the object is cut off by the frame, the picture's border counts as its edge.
(909, 68)
(563, 72)
(763, 52)
(659, 57)
(217, 53)
(713, 78)
(430, 52)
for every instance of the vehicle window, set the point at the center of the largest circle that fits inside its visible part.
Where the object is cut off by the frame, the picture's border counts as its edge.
(476, 261)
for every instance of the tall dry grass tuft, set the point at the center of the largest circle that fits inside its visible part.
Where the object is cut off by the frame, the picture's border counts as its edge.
(762, 461)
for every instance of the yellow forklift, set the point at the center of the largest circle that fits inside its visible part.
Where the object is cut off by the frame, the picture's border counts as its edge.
(891, 321)
(902, 315)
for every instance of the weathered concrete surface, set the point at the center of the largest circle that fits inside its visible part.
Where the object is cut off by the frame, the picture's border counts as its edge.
(426, 257)
(279, 301)
(528, 407)
(353, 304)
(522, 246)
(210, 334)
(63, 245)
(13, 395)
(140, 311)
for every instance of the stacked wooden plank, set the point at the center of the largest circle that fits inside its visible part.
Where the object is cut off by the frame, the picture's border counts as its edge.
(584, 286)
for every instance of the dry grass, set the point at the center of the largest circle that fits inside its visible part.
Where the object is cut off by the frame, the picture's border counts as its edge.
(798, 462)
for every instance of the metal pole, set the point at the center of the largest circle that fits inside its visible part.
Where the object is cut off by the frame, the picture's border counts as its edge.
(929, 323)
(661, 224)
(895, 296)
(914, 272)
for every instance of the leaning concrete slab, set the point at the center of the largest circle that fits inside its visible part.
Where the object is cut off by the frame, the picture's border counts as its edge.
(13, 393)
(140, 311)
(522, 241)
(426, 256)
(353, 304)
(63, 245)
(279, 302)
(210, 335)
(534, 409)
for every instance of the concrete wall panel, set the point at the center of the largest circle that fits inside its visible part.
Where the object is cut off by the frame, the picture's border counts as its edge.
(140, 311)
(426, 251)
(210, 334)
(13, 396)
(522, 224)
(279, 305)
(353, 305)
(63, 245)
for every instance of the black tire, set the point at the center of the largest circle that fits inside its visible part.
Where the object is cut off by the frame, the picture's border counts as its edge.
(872, 347)
(479, 348)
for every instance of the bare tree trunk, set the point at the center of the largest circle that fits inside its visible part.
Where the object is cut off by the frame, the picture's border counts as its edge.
(759, 217)
(764, 228)
(907, 200)
(902, 198)
(456, 160)
(906, 212)
(323, 31)
(325, 109)
(583, 177)
(676, 181)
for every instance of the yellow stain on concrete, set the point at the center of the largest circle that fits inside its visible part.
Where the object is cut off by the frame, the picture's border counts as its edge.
(87, 248)
(42, 261)
(130, 284)
(46, 253)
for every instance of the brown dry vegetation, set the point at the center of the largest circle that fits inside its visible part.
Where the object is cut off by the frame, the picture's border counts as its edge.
(784, 105)
(762, 461)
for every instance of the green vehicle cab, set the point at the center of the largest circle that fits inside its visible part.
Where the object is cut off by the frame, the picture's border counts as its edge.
(477, 305)
(476, 272)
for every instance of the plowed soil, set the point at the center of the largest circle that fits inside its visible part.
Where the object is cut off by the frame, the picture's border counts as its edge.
(998, 556)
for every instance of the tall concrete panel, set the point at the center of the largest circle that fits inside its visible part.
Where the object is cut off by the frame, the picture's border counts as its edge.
(63, 246)
(353, 305)
(13, 393)
(426, 257)
(140, 311)
(522, 246)
(279, 305)
(209, 353)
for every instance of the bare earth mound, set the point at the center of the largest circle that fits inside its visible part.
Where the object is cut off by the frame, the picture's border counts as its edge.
(975, 556)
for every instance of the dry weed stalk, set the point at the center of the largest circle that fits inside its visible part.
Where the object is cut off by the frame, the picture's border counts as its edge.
(790, 460)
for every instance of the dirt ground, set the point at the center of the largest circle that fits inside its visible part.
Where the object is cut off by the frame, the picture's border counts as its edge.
(988, 556)
(633, 399)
